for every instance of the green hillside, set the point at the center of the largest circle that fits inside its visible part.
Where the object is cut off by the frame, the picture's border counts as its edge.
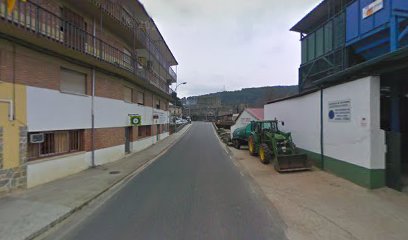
(254, 97)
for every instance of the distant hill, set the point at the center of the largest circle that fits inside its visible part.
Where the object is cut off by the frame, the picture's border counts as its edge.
(254, 97)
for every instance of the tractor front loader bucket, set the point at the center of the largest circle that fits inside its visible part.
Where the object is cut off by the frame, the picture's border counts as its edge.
(295, 162)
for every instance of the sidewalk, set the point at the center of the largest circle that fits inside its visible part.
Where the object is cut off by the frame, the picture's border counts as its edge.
(26, 214)
(318, 205)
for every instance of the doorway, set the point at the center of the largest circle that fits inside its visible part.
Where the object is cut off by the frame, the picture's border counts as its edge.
(128, 139)
(394, 120)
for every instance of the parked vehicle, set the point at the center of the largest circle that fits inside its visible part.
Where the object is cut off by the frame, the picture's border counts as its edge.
(272, 145)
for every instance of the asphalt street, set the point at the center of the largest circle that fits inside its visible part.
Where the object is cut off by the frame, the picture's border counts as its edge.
(193, 191)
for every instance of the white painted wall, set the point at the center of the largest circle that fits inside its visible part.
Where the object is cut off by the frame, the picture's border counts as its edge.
(243, 120)
(144, 143)
(47, 170)
(52, 110)
(358, 142)
(43, 171)
(301, 117)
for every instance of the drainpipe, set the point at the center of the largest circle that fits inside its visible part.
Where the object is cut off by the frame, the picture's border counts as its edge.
(11, 107)
(321, 129)
(93, 118)
(92, 100)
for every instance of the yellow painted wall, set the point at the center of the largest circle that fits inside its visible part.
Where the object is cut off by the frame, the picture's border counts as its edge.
(11, 129)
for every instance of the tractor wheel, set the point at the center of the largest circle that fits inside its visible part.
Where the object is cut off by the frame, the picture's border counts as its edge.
(265, 155)
(251, 146)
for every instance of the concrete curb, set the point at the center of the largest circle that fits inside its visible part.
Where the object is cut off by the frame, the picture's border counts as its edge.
(120, 181)
(224, 145)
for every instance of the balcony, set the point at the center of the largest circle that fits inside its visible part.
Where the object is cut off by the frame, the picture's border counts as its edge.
(117, 12)
(39, 21)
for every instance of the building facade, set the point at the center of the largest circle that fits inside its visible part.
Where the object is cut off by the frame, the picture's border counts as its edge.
(82, 83)
(351, 113)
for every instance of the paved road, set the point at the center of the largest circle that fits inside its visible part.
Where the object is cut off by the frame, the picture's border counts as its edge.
(194, 191)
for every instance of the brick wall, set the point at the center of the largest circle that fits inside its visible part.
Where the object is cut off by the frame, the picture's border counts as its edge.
(135, 133)
(104, 138)
(108, 86)
(30, 71)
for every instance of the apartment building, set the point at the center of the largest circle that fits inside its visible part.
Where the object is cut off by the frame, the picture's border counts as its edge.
(82, 83)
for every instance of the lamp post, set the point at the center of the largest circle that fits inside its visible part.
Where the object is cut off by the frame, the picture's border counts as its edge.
(175, 99)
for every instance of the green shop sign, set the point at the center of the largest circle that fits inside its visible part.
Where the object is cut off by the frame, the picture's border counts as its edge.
(135, 120)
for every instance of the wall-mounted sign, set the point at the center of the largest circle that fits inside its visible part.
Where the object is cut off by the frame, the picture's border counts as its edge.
(373, 8)
(159, 117)
(135, 120)
(340, 111)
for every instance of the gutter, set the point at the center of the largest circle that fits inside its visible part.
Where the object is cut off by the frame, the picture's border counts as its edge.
(321, 129)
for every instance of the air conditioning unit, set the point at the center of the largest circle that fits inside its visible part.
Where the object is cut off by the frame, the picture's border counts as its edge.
(37, 138)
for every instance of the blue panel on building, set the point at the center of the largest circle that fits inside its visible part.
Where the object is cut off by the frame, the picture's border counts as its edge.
(352, 15)
(382, 16)
(374, 24)
(400, 4)
(366, 24)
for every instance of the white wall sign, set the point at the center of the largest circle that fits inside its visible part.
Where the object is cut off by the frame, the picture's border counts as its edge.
(340, 111)
(373, 8)
(159, 117)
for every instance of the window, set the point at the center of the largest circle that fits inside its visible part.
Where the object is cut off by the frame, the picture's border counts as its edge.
(73, 82)
(56, 143)
(141, 131)
(140, 98)
(127, 94)
(145, 131)
(311, 47)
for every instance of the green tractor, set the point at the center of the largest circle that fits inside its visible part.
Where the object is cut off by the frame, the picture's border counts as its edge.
(275, 146)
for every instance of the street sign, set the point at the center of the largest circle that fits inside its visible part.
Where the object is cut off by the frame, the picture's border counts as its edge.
(340, 111)
(135, 120)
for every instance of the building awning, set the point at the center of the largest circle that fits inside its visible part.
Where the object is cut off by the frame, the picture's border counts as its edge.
(318, 16)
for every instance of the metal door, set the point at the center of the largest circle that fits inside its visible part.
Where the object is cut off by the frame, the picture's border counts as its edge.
(393, 160)
(127, 139)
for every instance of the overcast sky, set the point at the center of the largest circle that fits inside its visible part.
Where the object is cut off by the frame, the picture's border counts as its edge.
(231, 44)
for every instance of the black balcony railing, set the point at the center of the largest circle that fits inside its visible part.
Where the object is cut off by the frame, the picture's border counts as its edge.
(120, 14)
(33, 18)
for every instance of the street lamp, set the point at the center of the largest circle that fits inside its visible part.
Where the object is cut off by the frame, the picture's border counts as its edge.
(183, 83)
(175, 99)
(175, 90)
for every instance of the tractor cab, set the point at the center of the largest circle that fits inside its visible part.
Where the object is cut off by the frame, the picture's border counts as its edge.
(265, 126)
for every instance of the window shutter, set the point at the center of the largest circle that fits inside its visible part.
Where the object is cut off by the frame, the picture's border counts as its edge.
(73, 82)
(127, 94)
